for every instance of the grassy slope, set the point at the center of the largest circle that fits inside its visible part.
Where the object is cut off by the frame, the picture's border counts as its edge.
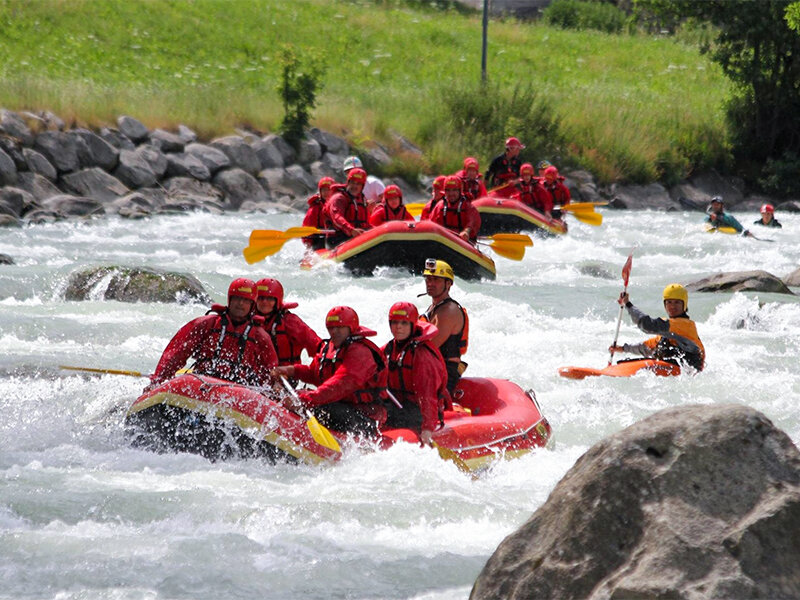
(627, 103)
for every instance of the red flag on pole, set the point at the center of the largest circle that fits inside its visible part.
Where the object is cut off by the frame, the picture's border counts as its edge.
(626, 270)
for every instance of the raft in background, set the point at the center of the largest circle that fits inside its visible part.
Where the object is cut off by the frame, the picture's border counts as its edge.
(406, 245)
(218, 419)
(500, 215)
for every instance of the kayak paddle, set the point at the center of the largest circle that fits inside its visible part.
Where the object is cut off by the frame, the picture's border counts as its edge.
(266, 242)
(626, 273)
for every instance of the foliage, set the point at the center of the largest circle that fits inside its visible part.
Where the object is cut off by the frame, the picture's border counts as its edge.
(780, 176)
(793, 15)
(297, 89)
(580, 14)
(758, 51)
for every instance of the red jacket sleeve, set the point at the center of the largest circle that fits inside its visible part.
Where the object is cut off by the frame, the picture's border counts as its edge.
(378, 216)
(473, 221)
(265, 358)
(180, 347)
(356, 368)
(336, 209)
(301, 333)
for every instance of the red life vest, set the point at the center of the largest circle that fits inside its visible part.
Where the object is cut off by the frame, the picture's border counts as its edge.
(376, 386)
(225, 358)
(400, 370)
(285, 346)
(471, 187)
(453, 217)
(356, 212)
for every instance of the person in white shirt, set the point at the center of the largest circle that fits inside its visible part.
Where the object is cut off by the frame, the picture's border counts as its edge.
(373, 190)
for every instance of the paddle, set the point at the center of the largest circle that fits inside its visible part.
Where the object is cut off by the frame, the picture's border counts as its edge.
(508, 245)
(104, 371)
(626, 273)
(415, 208)
(266, 242)
(318, 431)
(584, 212)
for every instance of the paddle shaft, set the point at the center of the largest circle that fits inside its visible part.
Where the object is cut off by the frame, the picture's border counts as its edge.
(104, 371)
(619, 322)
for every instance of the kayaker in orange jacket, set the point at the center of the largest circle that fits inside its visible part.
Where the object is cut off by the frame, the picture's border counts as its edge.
(417, 374)
(290, 335)
(349, 372)
(230, 344)
(677, 340)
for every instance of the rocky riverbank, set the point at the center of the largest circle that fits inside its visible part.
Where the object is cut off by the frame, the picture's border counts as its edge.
(49, 171)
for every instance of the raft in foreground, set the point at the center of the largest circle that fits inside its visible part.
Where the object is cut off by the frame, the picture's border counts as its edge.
(406, 245)
(624, 368)
(218, 419)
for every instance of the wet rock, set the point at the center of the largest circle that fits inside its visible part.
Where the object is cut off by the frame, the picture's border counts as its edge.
(8, 170)
(134, 171)
(37, 163)
(708, 184)
(239, 152)
(213, 158)
(133, 129)
(181, 164)
(192, 203)
(94, 151)
(598, 270)
(792, 206)
(293, 183)
(66, 205)
(183, 186)
(16, 201)
(237, 185)
(653, 196)
(39, 216)
(94, 183)
(692, 502)
(740, 281)
(60, 149)
(132, 206)
(166, 141)
(5, 259)
(40, 187)
(793, 278)
(134, 285)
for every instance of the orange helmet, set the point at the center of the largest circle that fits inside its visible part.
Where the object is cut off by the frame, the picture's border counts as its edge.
(767, 208)
(470, 162)
(438, 183)
(342, 316)
(550, 172)
(452, 182)
(526, 169)
(513, 142)
(393, 191)
(242, 288)
(358, 175)
(403, 311)
(270, 288)
(325, 182)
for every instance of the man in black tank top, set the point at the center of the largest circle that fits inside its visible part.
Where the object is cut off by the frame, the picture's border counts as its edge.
(449, 317)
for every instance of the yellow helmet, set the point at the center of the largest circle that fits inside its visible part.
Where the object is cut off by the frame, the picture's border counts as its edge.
(675, 291)
(438, 268)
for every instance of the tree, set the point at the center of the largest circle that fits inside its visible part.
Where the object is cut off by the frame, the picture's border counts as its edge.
(760, 53)
(298, 91)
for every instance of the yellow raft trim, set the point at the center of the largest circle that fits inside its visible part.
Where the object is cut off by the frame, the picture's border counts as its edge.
(502, 210)
(245, 423)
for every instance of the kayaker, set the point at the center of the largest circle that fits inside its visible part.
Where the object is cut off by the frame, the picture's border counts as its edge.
(554, 183)
(349, 372)
(768, 217)
(373, 188)
(449, 317)
(471, 179)
(229, 342)
(347, 208)
(391, 208)
(315, 217)
(530, 191)
(417, 376)
(437, 195)
(677, 340)
(290, 335)
(456, 213)
(504, 168)
(719, 218)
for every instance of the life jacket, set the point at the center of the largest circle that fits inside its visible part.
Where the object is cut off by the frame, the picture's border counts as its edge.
(471, 187)
(315, 206)
(453, 217)
(455, 346)
(287, 349)
(510, 170)
(216, 364)
(557, 190)
(376, 389)
(668, 349)
(356, 212)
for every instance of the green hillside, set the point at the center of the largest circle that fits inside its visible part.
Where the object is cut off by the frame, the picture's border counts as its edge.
(631, 107)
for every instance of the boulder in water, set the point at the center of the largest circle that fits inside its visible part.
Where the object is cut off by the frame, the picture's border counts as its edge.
(134, 284)
(692, 502)
(740, 281)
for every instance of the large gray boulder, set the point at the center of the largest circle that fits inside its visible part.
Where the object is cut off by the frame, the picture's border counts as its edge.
(37, 163)
(15, 201)
(134, 285)
(166, 141)
(653, 196)
(94, 151)
(287, 153)
(182, 164)
(117, 139)
(740, 281)
(14, 149)
(238, 186)
(133, 129)
(67, 205)
(94, 183)
(329, 142)
(8, 170)
(213, 158)
(309, 151)
(188, 186)
(60, 149)
(134, 171)
(153, 157)
(793, 278)
(40, 187)
(15, 126)
(240, 153)
(694, 502)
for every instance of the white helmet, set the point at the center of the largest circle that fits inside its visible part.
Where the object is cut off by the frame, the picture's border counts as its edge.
(352, 162)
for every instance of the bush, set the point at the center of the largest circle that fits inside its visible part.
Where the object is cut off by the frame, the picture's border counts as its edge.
(298, 92)
(780, 176)
(577, 14)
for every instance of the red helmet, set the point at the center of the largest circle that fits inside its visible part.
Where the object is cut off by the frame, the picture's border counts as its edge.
(358, 175)
(242, 288)
(452, 182)
(550, 172)
(438, 183)
(403, 311)
(470, 162)
(325, 182)
(767, 208)
(342, 316)
(513, 142)
(393, 191)
(526, 169)
(270, 288)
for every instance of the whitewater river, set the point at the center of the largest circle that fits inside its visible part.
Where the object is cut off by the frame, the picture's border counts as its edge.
(82, 515)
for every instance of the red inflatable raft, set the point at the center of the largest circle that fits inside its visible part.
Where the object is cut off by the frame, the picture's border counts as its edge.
(218, 419)
(406, 245)
(499, 215)
(624, 368)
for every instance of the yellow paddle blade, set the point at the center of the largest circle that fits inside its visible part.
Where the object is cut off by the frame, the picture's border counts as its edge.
(590, 218)
(508, 250)
(582, 206)
(415, 208)
(260, 251)
(515, 238)
(275, 234)
(321, 434)
(104, 371)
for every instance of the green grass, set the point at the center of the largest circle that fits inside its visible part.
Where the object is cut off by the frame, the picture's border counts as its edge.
(631, 107)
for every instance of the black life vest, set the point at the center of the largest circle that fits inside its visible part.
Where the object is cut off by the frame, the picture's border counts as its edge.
(456, 344)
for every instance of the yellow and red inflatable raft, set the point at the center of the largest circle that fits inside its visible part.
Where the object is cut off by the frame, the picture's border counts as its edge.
(406, 245)
(501, 215)
(218, 419)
